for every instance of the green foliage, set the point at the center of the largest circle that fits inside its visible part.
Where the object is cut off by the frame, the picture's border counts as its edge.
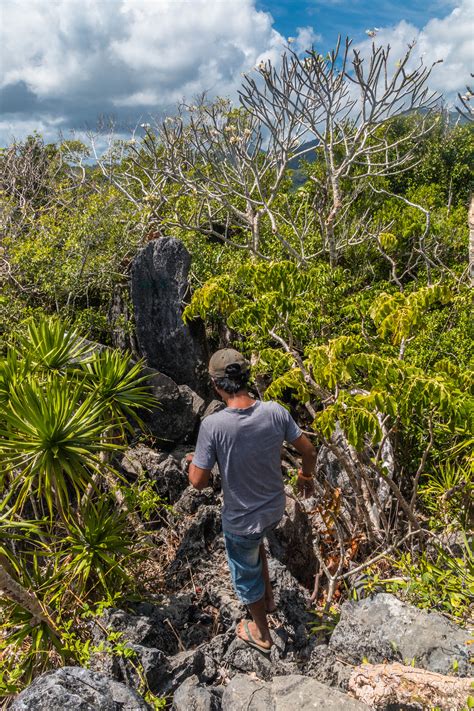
(396, 315)
(277, 297)
(325, 622)
(51, 345)
(448, 494)
(437, 580)
(63, 407)
(94, 549)
(52, 434)
(119, 385)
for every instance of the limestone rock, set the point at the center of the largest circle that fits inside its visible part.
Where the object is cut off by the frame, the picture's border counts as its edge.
(292, 543)
(176, 416)
(192, 500)
(213, 407)
(383, 628)
(192, 695)
(159, 292)
(163, 468)
(77, 689)
(246, 693)
(198, 535)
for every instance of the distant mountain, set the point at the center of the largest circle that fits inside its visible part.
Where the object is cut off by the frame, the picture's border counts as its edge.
(310, 157)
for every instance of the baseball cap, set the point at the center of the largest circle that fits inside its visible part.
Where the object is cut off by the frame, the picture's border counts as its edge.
(228, 362)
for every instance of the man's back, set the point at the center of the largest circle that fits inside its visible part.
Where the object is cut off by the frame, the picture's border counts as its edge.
(246, 444)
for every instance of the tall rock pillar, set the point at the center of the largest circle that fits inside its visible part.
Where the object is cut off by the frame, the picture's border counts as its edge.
(160, 290)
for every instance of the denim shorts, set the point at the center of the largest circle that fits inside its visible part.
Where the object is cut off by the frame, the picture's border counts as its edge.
(243, 556)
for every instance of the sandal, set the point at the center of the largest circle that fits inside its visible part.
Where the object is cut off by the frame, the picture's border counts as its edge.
(251, 641)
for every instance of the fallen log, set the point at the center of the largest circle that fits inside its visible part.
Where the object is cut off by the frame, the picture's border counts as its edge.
(381, 685)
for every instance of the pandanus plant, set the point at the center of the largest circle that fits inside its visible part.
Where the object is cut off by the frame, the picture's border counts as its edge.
(63, 407)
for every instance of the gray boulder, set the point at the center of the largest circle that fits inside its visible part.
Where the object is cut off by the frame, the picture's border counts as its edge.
(177, 624)
(77, 689)
(292, 543)
(245, 693)
(159, 292)
(198, 535)
(192, 500)
(213, 407)
(176, 416)
(192, 695)
(163, 468)
(325, 665)
(384, 628)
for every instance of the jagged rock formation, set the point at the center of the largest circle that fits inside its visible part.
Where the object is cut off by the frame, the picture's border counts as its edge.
(159, 292)
(186, 642)
(285, 692)
(77, 689)
(384, 628)
(176, 416)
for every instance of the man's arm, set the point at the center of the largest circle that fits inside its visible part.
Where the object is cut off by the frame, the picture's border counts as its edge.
(199, 478)
(305, 448)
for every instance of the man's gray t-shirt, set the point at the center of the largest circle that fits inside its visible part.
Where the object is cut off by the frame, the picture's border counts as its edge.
(246, 444)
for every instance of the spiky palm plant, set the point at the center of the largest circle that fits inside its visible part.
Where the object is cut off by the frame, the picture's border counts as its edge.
(51, 344)
(94, 550)
(62, 408)
(119, 384)
(51, 436)
(29, 636)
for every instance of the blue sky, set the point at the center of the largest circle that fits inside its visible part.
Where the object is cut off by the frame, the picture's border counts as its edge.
(65, 63)
(331, 17)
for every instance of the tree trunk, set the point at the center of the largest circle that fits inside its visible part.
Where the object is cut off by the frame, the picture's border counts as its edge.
(471, 240)
(395, 685)
(17, 593)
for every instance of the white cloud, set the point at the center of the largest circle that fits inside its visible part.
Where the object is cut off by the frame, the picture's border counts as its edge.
(305, 39)
(65, 62)
(82, 58)
(449, 38)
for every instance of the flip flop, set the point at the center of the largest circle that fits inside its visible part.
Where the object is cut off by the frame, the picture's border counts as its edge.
(251, 641)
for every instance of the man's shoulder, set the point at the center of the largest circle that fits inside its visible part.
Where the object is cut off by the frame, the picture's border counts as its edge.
(273, 406)
(210, 421)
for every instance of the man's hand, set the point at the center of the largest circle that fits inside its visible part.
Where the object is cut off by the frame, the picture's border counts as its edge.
(305, 485)
(305, 482)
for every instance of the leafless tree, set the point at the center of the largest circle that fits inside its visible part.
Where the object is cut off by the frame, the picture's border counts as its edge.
(344, 103)
(34, 176)
(466, 109)
(221, 170)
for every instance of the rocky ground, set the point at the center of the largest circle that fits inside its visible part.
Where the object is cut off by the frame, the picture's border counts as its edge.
(185, 646)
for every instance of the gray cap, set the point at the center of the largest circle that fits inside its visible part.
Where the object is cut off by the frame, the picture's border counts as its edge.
(228, 362)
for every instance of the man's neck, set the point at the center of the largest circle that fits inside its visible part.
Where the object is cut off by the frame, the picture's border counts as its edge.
(240, 400)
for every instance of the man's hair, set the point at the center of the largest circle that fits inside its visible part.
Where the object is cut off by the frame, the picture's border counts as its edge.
(232, 385)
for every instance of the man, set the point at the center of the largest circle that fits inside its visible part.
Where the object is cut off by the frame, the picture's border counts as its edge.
(245, 439)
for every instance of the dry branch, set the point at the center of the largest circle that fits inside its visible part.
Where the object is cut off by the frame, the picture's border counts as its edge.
(383, 685)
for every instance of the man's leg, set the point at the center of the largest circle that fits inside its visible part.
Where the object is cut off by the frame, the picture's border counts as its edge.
(269, 599)
(259, 627)
(246, 565)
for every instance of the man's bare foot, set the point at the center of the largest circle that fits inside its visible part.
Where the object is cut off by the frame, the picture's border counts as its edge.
(248, 632)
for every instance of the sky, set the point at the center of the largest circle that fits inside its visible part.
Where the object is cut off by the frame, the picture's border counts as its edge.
(66, 66)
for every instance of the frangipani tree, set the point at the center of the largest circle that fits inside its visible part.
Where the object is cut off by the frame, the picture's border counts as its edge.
(223, 170)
